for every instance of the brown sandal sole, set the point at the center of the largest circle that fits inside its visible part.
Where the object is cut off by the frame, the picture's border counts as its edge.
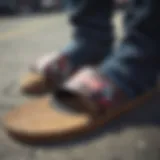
(41, 121)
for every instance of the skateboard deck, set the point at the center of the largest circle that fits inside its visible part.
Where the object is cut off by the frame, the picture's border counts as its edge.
(42, 120)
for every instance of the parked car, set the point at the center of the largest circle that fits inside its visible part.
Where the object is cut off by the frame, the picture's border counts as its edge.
(33, 5)
(121, 4)
(50, 4)
(8, 4)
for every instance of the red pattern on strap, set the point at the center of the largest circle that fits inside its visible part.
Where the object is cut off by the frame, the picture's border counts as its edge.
(98, 88)
(62, 63)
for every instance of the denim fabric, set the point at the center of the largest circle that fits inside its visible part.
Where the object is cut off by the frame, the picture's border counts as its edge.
(135, 66)
(92, 33)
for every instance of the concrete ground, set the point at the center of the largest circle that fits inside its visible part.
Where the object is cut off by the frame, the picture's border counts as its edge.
(134, 136)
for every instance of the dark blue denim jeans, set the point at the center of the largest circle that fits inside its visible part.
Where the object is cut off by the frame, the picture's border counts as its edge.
(136, 64)
(92, 31)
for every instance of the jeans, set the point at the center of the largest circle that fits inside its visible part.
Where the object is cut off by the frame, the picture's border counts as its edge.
(136, 64)
(92, 32)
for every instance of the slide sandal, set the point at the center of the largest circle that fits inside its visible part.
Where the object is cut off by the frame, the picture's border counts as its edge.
(86, 109)
(36, 82)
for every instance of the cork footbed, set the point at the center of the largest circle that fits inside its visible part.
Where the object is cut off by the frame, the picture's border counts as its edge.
(33, 83)
(39, 120)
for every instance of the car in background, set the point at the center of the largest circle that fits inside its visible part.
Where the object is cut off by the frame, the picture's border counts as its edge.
(8, 4)
(121, 4)
(30, 5)
(50, 4)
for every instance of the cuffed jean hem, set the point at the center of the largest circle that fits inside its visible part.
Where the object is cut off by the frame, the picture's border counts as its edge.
(87, 52)
(121, 82)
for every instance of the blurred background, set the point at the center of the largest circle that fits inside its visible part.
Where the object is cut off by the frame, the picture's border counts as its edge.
(31, 28)
(28, 6)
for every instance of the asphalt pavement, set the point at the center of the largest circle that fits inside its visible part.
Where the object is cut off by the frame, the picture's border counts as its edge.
(134, 136)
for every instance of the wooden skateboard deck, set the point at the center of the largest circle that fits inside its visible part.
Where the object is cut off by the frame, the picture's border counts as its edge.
(41, 120)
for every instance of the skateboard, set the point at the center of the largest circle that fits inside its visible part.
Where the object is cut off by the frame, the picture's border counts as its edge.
(47, 119)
